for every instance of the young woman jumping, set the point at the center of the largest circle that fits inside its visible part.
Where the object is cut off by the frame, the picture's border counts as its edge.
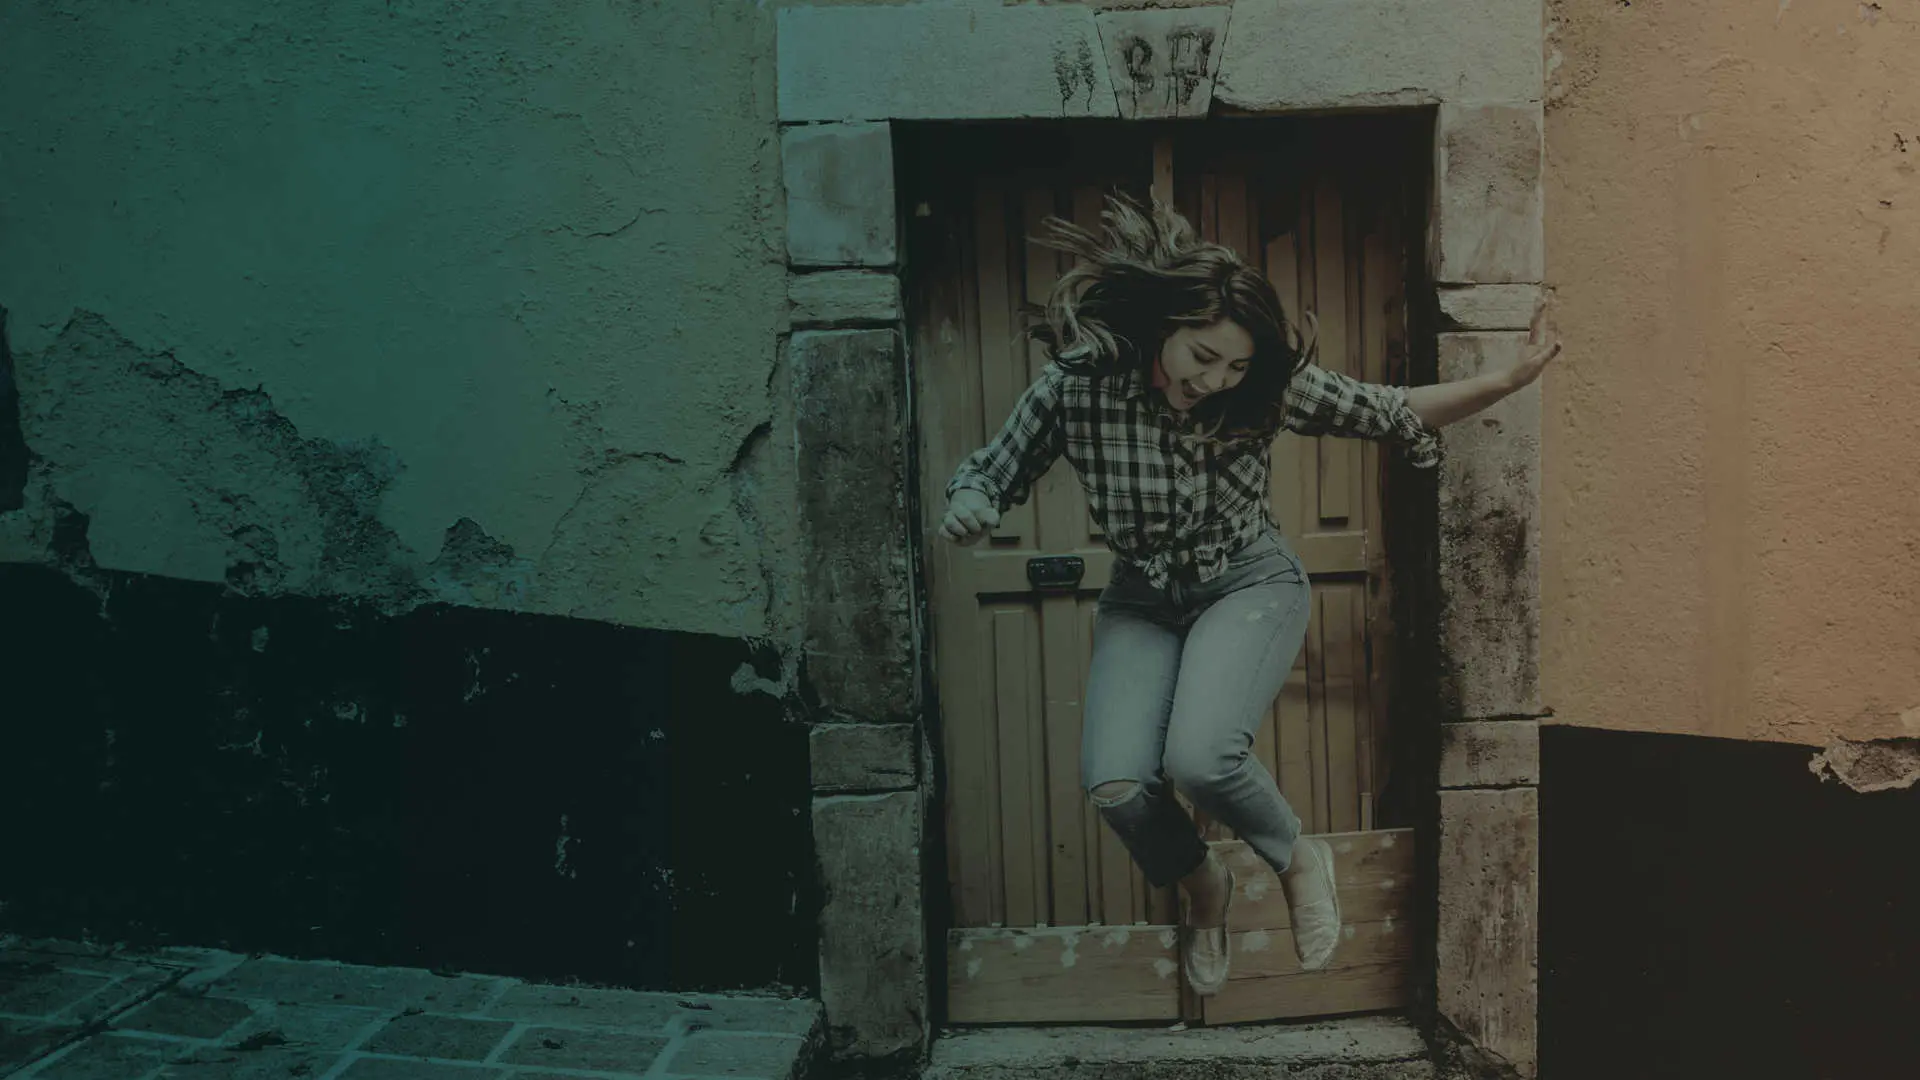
(1172, 369)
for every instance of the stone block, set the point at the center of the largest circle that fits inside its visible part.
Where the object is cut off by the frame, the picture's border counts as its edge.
(316, 1027)
(750, 1057)
(1162, 61)
(873, 978)
(830, 298)
(427, 1035)
(580, 1006)
(1490, 542)
(402, 1069)
(1489, 206)
(51, 992)
(1488, 307)
(108, 1057)
(941, 61)
(850, 421)
(325, 983)
(187, 1015)
(839, 183)
(1488, 941)
(764, 1015)
(1336, 54)
(608, 1051)
(862, 757)
(1489, 753)
(23, 1042)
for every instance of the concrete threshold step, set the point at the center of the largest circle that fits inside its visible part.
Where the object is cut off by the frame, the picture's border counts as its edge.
(1360, 1048)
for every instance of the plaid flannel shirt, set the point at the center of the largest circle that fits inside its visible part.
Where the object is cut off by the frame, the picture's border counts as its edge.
(1171, 503)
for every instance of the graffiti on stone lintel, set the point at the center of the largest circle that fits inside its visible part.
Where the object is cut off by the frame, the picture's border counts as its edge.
(1173, 72)
(1077, 75)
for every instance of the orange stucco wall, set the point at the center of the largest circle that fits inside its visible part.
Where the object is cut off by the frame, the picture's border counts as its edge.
(1731, 533)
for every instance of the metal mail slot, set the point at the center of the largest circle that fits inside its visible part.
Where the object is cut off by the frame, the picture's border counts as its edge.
(1056, 573)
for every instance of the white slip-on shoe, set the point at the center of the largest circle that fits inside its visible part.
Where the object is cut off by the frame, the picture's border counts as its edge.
(1313, 905)
(1208, 951)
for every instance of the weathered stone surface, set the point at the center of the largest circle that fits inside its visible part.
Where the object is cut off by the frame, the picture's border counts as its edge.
(372, 1068)
(1489, 927)
(581, 1006)
(1489, 753)
(315, 1027)
(1488, 307)
(849, 412)
(872, 941)
(186, 1015)
(941, 61)
(25, 1041)
(843, 297)
(863, 757)
(1330, 54)
(1488, 214)
(562, 1048)
(224, 1031)
(1162, 62)
(322, 983)
(51, 994)
(767, 1015)
(750, 1057)
(1490, 542)
(839, 182)
(1360, 1048)
(426, 1035)
(109, 1055)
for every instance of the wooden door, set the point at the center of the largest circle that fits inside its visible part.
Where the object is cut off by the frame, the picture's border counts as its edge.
(1321, 212)
(1050, 920)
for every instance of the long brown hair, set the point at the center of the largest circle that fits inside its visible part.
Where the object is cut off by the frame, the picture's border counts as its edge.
(1144, 275)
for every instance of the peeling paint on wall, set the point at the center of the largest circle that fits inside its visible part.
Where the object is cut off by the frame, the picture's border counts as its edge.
(1878, 765)
(485, 272)
(13, 448)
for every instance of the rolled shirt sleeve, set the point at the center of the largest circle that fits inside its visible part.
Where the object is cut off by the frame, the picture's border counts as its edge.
(1028, 444)
(1323, 402)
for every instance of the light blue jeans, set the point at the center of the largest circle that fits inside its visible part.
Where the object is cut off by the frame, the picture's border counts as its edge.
(1181, 680)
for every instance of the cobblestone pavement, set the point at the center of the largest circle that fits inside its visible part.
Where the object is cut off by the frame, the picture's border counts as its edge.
(69, 1012)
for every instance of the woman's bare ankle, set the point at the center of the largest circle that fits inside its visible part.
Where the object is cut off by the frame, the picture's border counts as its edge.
(1302, 862)
(1206, 890)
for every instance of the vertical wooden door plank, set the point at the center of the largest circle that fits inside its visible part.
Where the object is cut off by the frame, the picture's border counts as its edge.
(1021, 790)
(1316, 651)
(1341, 633)
(947, 370)
(1002, 359)
(1381, 289)
(1232, 216)
(1296, 742)
(1066, 820)
(1088, 201)
(1330, 282)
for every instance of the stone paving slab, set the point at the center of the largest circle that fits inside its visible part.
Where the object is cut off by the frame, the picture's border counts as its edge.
(606, 1051)
(82, 1012)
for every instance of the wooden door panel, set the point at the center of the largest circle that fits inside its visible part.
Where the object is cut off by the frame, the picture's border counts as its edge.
(1051, 919)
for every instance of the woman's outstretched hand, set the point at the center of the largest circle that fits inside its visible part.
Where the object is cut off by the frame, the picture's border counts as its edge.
(1440, 404)
(1541, 348)
(970, 516)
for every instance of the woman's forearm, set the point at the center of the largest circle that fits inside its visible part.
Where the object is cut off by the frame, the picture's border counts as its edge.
(1443, 403)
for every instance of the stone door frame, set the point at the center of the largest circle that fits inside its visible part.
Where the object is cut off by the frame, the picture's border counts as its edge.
(846, 73)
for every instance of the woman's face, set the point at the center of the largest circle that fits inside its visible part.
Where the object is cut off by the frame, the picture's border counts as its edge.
(1199, 361)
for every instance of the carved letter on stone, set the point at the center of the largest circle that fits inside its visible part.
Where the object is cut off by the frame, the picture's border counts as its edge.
(1162, 62)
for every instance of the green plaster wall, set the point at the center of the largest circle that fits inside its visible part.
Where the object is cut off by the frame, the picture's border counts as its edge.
(404, 300)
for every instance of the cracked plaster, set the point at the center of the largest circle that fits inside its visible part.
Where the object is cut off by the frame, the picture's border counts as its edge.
(518, 273)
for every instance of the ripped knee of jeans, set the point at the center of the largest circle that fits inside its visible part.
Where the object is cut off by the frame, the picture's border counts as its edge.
(1114, 792)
